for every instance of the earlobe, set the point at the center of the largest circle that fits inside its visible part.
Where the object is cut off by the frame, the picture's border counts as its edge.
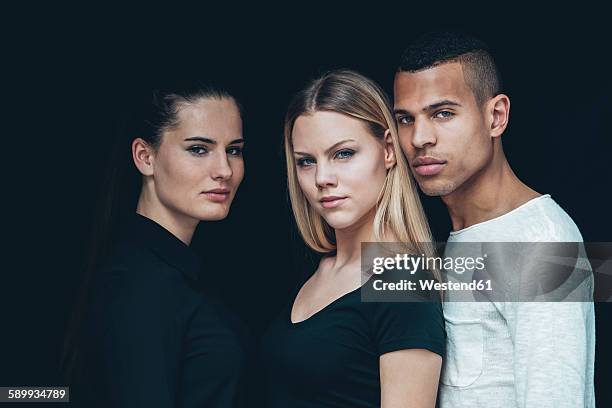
(390, 158)
(143, 157)
(500, 112)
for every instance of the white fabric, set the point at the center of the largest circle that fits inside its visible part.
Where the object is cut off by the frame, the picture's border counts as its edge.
(520, 354)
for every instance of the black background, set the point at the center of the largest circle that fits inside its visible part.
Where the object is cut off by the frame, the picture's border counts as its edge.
(71, 79)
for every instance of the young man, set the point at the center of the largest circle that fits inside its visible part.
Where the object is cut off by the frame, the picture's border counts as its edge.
(451, 115)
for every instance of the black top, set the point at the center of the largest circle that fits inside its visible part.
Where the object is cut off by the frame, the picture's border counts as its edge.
(151, 338)
(331, 359)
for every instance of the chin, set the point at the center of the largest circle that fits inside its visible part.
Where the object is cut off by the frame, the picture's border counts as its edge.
(437, 189)
(214, 217)
(437, 192)
(340, 221)
(212, 214)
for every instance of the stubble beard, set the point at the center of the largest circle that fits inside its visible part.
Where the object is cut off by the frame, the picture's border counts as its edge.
(438, 190)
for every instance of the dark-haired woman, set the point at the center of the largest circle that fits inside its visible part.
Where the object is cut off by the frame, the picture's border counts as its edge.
(149, 337)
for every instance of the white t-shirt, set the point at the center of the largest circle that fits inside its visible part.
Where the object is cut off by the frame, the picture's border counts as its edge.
(520, 354)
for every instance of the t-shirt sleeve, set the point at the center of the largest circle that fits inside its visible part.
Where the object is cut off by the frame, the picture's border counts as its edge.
(408, 325)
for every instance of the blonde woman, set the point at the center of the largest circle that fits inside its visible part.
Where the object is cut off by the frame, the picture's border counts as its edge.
(349, 183)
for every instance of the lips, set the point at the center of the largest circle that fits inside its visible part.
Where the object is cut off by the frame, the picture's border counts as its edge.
(217, 195)
(428, 165)
(331, 201)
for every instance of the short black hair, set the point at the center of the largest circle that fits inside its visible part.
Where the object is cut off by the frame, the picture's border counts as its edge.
(438, 47)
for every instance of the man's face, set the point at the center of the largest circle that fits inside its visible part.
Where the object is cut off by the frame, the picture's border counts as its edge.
(442, 129)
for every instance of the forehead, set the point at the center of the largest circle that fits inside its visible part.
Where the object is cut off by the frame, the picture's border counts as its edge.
(415, 90)
(211, 117)
(322, 129)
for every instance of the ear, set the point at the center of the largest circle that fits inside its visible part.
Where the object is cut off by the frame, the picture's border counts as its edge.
(498, 111)
(143, 156)
(390, 158)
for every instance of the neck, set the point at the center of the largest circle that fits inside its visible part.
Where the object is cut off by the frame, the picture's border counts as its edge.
(179, 225)
(491, 192)
(348, 240)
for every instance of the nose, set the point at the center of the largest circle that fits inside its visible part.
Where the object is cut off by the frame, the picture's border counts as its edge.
(325, 176)
(423, 134)
(221, 169)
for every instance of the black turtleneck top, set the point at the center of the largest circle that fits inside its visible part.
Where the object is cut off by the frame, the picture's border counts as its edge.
(151, 338)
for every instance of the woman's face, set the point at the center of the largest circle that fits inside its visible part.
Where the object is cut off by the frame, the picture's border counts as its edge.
(198, 165)
(341, 166)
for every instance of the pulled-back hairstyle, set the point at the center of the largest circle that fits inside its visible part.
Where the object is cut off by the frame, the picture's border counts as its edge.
(149, 117)
(399, 214)
(160, 113)
(439, 47)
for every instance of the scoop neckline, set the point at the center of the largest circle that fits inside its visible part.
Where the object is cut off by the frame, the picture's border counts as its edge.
(318, 312)
(526, 203)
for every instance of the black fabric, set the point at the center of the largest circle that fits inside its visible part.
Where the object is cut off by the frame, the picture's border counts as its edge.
(332, 358)
(151, 338)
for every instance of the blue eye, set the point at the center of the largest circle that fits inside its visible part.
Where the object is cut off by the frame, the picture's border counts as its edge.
(305, 161)
(444, 114)
(404, 120)
(197, 150)
(344, 154)
(235, 151)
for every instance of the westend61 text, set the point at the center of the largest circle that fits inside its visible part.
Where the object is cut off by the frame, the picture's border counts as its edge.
(475, 285)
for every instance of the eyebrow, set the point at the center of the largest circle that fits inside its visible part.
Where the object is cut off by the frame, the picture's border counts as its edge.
(211, 141)
(329, 149)
(445, 102)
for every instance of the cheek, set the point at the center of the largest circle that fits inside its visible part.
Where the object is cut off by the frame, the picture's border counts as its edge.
(237, 166)
(468, 146)
(366, 176)
(178, 171)
(307, 184)
(405, 141)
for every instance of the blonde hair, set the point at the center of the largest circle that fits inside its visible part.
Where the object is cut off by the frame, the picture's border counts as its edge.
(399, 214)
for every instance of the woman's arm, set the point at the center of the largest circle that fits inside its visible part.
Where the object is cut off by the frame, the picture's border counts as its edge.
(409, 378)
(128, 344)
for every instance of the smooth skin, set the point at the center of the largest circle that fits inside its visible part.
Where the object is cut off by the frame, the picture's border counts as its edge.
(439, 117)
(194, 174)
(336, 155)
